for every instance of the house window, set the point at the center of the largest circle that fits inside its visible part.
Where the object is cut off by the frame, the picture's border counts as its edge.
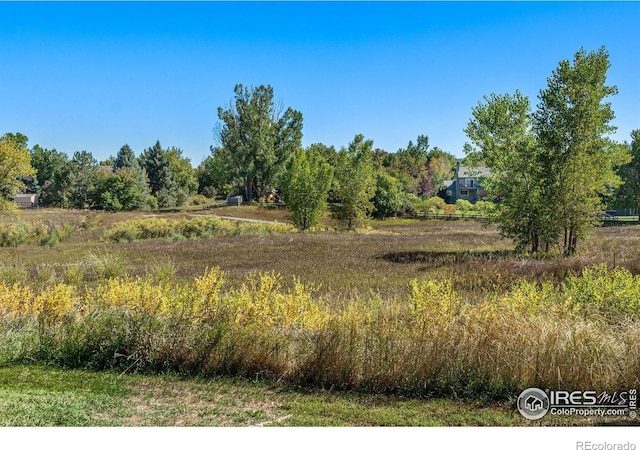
(464, 193)
(449, 192)
(468, 182)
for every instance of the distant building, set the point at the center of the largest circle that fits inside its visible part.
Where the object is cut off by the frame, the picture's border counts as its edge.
(235, 200)
(26, 200)
(465, 186)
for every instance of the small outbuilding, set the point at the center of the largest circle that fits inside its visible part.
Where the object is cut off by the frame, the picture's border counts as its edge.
(235, 200)
(26, 200)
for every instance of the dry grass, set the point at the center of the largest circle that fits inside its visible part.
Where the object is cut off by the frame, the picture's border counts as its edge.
(383, 258)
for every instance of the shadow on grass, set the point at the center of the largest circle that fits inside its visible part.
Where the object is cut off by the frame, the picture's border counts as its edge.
(438, 259)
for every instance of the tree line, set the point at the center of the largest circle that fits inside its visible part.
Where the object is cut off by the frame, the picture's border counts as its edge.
(553, 170)
(156, 178)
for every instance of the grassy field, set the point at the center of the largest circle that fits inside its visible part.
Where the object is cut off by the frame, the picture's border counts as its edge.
(44, 396)
(405, 322)
(383, 258)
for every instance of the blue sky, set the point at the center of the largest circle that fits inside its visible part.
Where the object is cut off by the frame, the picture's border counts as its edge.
(94, 76)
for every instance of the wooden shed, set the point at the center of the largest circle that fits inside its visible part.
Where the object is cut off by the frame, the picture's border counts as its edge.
(26, 200)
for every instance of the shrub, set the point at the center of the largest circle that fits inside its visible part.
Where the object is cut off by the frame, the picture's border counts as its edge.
(464, 205)
(21, 233)
(200, 199)
(196, 228)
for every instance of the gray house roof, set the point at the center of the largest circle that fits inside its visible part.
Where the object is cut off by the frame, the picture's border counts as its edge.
(473, 172)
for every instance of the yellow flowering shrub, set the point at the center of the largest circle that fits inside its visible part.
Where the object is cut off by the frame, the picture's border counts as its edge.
(135, 294)
(434, 301)
(15, 299)
(55, 303)
(262, 301)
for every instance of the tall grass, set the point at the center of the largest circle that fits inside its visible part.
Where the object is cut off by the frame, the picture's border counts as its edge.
(195, 228)
(581, 334)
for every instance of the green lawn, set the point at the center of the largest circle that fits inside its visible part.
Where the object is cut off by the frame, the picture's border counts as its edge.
(42, 396)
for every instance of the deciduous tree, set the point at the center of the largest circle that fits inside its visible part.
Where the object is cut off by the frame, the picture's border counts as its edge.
(572, 125)
(354, 183)
(257, 140)
(15, 162)
(305, 187)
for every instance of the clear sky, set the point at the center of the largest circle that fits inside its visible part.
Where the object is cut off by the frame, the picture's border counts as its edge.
(95, 76)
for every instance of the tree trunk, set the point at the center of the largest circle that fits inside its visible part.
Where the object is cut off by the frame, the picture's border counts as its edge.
(248, 187)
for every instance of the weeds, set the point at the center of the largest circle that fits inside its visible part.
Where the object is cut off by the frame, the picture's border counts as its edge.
(434, 341)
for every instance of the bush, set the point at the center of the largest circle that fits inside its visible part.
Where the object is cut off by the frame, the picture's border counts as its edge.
(464, 205)
(196, 228)
(22, 233)
(200, 199)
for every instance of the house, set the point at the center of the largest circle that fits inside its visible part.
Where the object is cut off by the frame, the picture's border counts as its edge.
(465, 185)
(26, 200)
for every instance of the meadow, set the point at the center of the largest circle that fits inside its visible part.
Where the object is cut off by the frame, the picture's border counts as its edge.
(403, 308)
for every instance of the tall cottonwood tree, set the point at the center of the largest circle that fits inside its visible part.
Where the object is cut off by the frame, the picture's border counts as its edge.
(552, 167)
(572, 124)
(501, 131)
(257, 140)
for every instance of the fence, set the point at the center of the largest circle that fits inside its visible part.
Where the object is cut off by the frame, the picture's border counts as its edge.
(455, 216)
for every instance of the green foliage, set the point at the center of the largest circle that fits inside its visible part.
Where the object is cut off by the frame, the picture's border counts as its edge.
(24, 233)
(53, 174)
(551, 168)
(501, 129)
(162, 185)
(433, 205)
(120, 191)
(464, 205)
(628, 195)
(83, 175)
(125, 158)
(388, 197)
(182, 173)
(485, 208)
(15, 162)
(354, 183)
(571, 124)
(196, 228)
(305, 188)
(200, 199)
(257, 142)
(211, 178)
